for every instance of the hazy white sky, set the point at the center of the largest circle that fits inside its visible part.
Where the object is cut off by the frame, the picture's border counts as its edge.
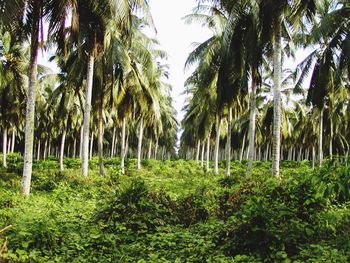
(176, 38)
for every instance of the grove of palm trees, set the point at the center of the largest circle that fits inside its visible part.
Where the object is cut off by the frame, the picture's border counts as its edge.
(97, 166)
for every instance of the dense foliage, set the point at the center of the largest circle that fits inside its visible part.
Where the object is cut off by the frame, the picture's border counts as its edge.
(173, 212)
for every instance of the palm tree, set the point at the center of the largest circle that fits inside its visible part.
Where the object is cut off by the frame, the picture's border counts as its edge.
(12, 90)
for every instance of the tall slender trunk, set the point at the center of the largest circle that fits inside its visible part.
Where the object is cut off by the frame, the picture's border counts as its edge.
(320, 142)
(228, 143)
(202, 154)
(139, 146)
(198, 150)
(38, 151)
(113, 142)
(13, 140)
(331, 138)
(4, 147)
(242, 149)
(87, 110)
(81, 143)
(163, 152)
(313, 157)
(63, 140)
(100, 137)
(49, 147)
(156, 148)
(217, 147)
(122, 150)
(149, 154)
(30, 108)
(9, 145)
(127, 143)
(208, 153)
(75, 147)
(45, 150)
(91, 145)
(277, 69)
(252, 116)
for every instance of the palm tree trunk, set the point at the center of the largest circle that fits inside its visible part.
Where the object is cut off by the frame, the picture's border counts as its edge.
(45, 150)
(81, 143)
(156, 149)
(49, 148)
(100, 138)
(252, 126)
(9, 145)
(63, 140)
(277, 69)
(198, 150)
(38, 150)
(13, 140)
(331, 138)
(91, 145)
(228, 143)
(75, 147)
(30, 110)
(320, 142)
(113, 142)
(122, 150)
(208, 153)
(139, 146)
(127, 143)
(217, 147)
(202, 154)
(242, 149)
(163, 152)
(87, 110)
(149, 154)
(4, 147)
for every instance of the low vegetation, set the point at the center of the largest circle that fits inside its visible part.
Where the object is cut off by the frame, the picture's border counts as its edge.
(173, 211)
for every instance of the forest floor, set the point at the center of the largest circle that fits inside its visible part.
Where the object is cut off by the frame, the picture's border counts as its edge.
(173, 211)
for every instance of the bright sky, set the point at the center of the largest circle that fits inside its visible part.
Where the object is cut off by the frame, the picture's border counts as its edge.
(176, 38)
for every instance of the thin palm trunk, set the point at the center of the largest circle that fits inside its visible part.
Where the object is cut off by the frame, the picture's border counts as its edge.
(81, 143)
(122, 150)
(9, 145)
(87, 110)
(91, 145)
(320, 142)
(331, 138)
(4, 147)
(45, 150)
(242, 149)
(49, 147)
(113, 142)
(13, 140)
(139, 146)
(198, 150)
(228, 143)
(100, 137)
(217, 147)
(277, 69)
(38, 150)
(63, 140)
(156, 149)
(75, 147)
(252, 116)
(149, 154)
(202, 154)
(30, 109)
(208, 154)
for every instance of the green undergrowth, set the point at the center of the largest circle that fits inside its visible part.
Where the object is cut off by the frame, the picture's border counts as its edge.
(173, 211)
